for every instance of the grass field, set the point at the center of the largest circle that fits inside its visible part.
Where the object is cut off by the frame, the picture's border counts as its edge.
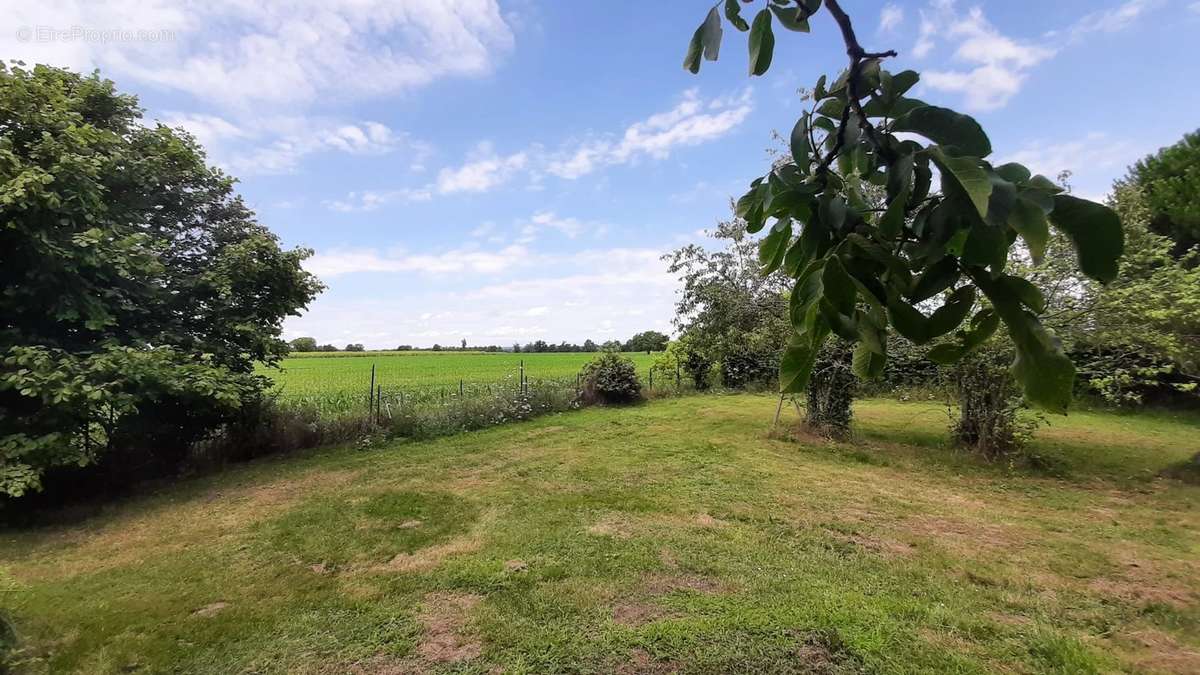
(675, 536)
(315, 375)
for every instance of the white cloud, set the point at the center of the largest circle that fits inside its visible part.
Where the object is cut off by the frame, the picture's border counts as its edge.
(1093, 160)
(264, 65)
(339, 262)
(277, 144)
(240, 54)
(1112, 20)
(890, 17)
(997, 64)
(483, 170)
(369, 200)
(691, 122)
(595, 293)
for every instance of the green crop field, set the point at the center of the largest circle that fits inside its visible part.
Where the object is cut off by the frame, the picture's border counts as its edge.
(325, 376)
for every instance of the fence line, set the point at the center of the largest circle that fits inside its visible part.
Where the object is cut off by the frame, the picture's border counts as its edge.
(385, 399)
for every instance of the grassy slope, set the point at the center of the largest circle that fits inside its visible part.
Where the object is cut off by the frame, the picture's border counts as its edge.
(674, 535)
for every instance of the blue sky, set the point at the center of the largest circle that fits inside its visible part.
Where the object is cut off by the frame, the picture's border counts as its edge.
(512, 170)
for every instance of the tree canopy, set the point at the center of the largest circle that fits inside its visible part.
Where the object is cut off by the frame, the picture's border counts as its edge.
(138, 289)
(860, 272)
(1170, 182)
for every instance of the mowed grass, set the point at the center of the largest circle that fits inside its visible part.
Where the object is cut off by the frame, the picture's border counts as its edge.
(313, 375)
(680, 535)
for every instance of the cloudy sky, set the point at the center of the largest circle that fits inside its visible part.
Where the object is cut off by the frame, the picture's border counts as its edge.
(509, 170)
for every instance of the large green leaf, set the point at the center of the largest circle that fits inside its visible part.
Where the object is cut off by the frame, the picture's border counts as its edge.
(912, 324)
(733, 12)
(946, 127)
(762, 43)
(798, 142)
(951, 314)
(1029, 220)
(795, 368)
(965, 175)
(1096, 232)
(1046, 373)
(791, 18)
(935, 279)
(867, 364)
(706, 41)
(773, 247)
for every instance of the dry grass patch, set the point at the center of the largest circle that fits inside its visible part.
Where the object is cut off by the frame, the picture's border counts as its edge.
(444, 618)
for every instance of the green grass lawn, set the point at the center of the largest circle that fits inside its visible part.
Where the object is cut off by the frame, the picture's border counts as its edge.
(675, 536)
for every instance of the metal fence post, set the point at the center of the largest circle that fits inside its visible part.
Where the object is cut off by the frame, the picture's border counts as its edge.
(371, 389)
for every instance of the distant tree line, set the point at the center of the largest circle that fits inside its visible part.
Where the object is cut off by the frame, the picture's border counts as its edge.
(648, 341)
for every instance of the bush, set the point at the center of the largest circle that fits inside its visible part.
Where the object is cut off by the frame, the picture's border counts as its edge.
(990, 404)
(611, 379)
(745, 367)
(698, 367)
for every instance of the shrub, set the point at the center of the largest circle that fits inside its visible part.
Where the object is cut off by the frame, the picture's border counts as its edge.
(611, 379)
(745, 366)
(698, 367)
(990, 404)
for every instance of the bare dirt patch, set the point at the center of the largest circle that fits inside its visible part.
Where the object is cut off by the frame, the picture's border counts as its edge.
(635, 614)
(612, 525)
(1154, 651)
(642, 663)
(444, 618)
(1144, 582)
(432, 556)
(959, 536)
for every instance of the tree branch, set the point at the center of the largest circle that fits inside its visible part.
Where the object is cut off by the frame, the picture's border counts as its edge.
(857, 54)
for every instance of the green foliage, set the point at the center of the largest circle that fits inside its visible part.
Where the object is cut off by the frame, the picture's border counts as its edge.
(649, 341)
(990, 419)
(729, 315)
(612, 379)
(860, 271)
(138, 290)
(1170, 180)
(303, 344)
(1138, 336)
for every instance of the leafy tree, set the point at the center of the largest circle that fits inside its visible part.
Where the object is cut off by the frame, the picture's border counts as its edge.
(138, 290)
(649, 341)
(303, 344)
(860, 272)
(355, 347)
(327, 348)
(1170, 183)
(589, 346)
(727, 312)
(1139, 335)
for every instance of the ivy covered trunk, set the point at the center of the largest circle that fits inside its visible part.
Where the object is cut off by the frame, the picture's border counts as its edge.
(830, 392)
(989, 406)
